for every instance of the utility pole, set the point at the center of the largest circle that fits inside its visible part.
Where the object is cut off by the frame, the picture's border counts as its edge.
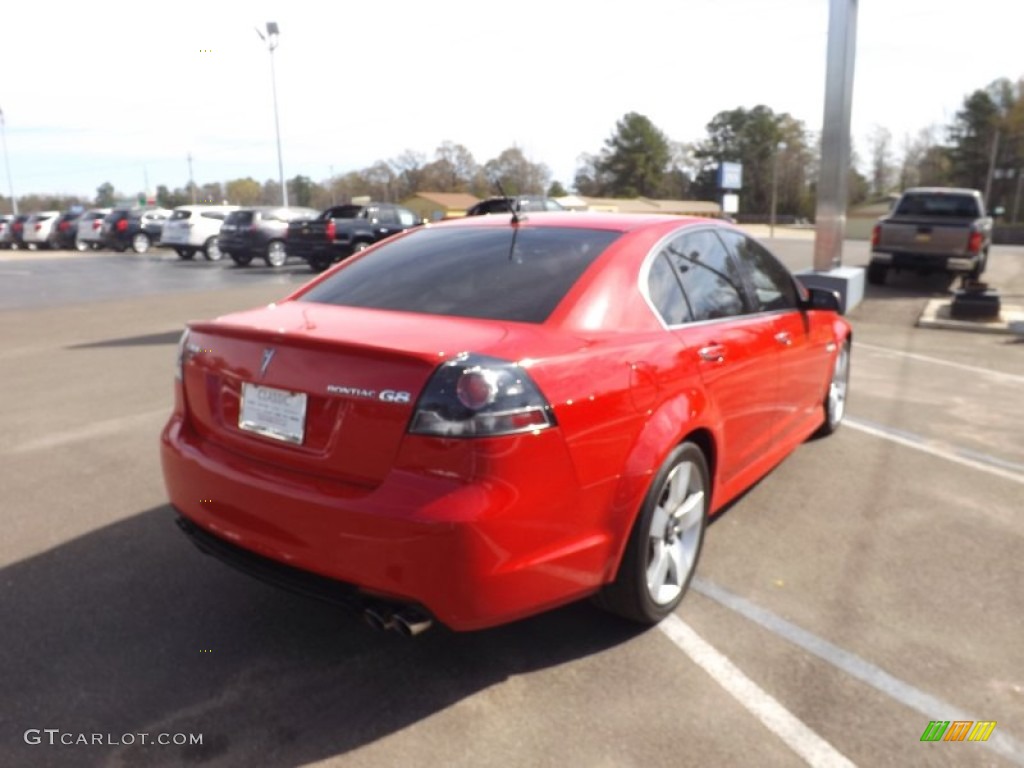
(7, 162)
(991, 168)
(191, 181)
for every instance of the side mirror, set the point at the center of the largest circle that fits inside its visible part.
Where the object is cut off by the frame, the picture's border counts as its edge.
(998, 211)
(820, 298)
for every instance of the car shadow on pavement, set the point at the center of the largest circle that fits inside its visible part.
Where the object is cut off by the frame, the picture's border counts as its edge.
(129, 629)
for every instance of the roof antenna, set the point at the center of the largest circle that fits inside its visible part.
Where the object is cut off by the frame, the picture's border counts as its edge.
(508, 201)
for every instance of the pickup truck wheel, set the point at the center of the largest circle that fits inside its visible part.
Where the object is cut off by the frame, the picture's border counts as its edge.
(211, 250)
(979, 270)
(319, 263)
(877, 273)
(276, 254)
(184, 254)
(663, 549)
(241, 259)
(140, 242)
(360, 246)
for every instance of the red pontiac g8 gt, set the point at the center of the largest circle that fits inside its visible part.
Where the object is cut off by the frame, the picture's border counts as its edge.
(483, 419)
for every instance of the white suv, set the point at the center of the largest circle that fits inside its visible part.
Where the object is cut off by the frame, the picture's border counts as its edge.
(38, 228)
(194, 228)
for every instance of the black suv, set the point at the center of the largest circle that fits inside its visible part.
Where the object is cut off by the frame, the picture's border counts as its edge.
(523, 204)
(135, 228)
(251, 232)
(65, 229)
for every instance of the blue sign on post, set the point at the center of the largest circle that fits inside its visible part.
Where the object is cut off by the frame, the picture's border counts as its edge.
(730, 175)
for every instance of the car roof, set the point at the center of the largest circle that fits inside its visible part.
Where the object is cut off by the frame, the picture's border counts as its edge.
(620, 222)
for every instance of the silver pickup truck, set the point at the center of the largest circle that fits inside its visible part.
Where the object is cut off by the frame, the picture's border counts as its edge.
(933, 229)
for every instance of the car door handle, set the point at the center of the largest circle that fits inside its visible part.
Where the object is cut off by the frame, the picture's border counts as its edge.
(784, 338)
(713, 353)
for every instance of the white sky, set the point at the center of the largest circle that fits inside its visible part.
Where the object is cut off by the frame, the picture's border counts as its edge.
(111, 91)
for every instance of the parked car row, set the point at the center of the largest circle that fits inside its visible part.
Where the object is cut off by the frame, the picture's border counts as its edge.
(270, 233)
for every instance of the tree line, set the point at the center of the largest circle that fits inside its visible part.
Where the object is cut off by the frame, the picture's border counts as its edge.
(983, 148)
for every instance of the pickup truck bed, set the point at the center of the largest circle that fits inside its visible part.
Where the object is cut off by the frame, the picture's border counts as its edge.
(340, 231)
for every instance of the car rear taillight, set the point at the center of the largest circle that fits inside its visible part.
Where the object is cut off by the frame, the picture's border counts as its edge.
(477, 396)
(331, 229)
(179, 368)
(97, 223)
(63, 226)
(974, 242)
(38, 226)
(876, 235)
(122, 225)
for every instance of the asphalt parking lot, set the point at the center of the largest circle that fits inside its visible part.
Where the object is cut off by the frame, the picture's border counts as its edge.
(870, 584)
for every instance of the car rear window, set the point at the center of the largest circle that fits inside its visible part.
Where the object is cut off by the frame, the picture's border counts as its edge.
(239, 218)
(483, 272)
(951, 206)
(180, 215)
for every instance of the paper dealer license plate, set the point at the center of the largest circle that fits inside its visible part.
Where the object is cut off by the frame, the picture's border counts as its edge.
(273, 413)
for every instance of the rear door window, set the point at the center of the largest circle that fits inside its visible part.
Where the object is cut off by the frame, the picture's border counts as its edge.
(483, 272)
(181, 215)
(710, 277)
(771, 282)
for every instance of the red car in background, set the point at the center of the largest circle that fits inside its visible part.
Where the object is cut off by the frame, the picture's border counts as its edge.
(483, 419)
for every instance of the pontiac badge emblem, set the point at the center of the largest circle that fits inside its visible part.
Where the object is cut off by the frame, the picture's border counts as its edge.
(268, 355)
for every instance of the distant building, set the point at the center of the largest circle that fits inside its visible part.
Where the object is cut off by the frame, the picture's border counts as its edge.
(434, 206)
(641, 205)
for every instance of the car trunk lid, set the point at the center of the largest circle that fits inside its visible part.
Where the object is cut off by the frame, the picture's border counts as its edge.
(339, 383)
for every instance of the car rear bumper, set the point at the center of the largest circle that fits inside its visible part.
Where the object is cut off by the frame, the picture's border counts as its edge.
(925, 261)
(472, 554)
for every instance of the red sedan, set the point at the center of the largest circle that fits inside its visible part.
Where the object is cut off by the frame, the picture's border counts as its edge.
(483, 419)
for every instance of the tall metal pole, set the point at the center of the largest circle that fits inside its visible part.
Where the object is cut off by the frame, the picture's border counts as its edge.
(775, 189)
(7, 163)
(272, 35)
(830, 215)
(191, 181)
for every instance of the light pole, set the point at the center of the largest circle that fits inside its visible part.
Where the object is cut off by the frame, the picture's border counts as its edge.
(780, 147)
(7, 163)
(271, 40)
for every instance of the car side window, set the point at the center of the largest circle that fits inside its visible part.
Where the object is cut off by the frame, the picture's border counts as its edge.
(773, 285)
(710, 278)
(666, 293)
(406, 217)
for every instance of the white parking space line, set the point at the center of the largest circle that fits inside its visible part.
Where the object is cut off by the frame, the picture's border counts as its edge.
(993, 465)
(930, 707)
(775, 717)
(1006, 377)
(89, 432)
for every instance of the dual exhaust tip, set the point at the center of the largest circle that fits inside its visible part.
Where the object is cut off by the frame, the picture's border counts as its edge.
(406, 621)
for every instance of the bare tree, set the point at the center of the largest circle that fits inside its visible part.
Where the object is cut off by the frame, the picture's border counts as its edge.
(883, 169)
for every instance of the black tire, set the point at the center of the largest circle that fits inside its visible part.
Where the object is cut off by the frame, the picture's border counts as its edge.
(241, 259)
(360, 245)
(877, 273)
(184, 254)
(319, 263)
(140, 242)
(658, 530)
(835, 396)
(979, 270)
(212, 251)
